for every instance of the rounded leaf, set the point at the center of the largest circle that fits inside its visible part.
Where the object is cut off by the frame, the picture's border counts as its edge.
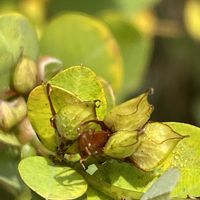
(186, 158)
(74, 88)
(136, 50)
(84, 84)
(50, 181)
(81, 39)
(39, 112)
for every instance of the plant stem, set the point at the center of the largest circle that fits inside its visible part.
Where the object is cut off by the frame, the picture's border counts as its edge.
(41, 148)
(108, 189)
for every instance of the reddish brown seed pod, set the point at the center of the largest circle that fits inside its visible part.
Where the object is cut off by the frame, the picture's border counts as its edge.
(91, 142)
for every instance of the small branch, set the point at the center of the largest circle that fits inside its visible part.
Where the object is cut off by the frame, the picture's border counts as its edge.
(41, 148)
(108, 189)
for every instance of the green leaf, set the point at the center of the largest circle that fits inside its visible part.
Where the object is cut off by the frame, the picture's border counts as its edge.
(82, 83)
(93, 194)
(163, 186)
(79, 39)
(71, 86)
(136, 50)
(16, 38)
(127, 176)
(9, 176)
(186, 158)
(39, 112)
(9, 138)
(127, 7)
(50, 181)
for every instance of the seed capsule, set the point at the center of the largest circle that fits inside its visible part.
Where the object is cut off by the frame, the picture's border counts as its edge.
(69, 118)
(11, 113)
(157, 141)
(25, 75)
(131, 115)
(122, 144)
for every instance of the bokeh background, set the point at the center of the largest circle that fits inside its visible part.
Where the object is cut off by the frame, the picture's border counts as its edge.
(159, 44)
(169, 60)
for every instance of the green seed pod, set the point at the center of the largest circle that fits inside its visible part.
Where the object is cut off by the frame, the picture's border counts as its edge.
(25, 75)
(131, 115)
(69, 118)
(157, 141)
(11, 113)
(122, 144)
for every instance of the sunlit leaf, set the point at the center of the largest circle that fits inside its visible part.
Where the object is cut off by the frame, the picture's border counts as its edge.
(53, 182)
(76, 86)
(163, 186)
(79, 39)
(82, 83)
(93, 194)
(127, 176)
(186, 158)
(39, 112)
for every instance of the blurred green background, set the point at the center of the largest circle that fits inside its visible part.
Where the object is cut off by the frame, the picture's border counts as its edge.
(139, 44)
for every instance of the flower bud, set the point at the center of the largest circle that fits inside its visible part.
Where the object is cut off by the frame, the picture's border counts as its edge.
(25, 131)
(122, 144)
(157, 141)
(131, 115)
(25, 75)
(11, 113)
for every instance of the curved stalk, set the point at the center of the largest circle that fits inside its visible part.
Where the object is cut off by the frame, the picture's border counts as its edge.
(108, 189)
(41, 148)
(112, 191)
